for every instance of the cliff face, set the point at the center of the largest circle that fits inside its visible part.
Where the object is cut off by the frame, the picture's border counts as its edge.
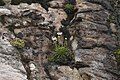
(92, 42)
(96, 42)
(11, 67)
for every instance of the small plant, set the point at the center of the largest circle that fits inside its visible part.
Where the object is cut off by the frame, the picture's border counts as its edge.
(18, 43)
(117, 54)
(69, 8)
(61, 55)
(111, 18)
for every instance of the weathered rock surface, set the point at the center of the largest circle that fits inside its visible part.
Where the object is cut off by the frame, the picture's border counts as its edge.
(95, 42)
(92, 42)
(11, 67)
(57, 3)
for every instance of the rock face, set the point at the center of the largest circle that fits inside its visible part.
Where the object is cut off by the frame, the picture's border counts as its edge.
(95, 42)
(92, 40)
(35, 25)
(11, 67)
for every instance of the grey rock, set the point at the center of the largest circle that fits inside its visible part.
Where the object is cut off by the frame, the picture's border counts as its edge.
(4, 11)
(92, 42)
(56, 4)
(95, 43)
(11, 66)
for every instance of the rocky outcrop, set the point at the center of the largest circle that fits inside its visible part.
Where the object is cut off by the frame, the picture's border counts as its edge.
(92, 41)
(11, 67)
(35, 25)
(96, 42)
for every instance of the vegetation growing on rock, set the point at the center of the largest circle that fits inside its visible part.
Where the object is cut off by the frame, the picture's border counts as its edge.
(117, 53)
(86, 29)
(18, 43)
(69, 8)
(61, 55)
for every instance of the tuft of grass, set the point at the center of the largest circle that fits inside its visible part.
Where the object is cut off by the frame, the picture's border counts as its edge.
(69, 8)
(61, 55)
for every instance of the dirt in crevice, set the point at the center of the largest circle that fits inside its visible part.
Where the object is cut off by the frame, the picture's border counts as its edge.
(25, 63)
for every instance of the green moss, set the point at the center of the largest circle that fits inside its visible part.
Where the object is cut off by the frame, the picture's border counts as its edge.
(18, 43)
(117, 54)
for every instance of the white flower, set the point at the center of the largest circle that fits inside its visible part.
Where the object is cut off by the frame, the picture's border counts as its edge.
(24, 23)
(54, 38)
(65, 38)
(32, 67)
(59, 33)
(17, 24)
(12, 36)
(62, 26)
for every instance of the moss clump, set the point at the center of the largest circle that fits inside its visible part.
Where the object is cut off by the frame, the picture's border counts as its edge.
(18, 43)
(69, 8)
(61, 55)
(117, 54)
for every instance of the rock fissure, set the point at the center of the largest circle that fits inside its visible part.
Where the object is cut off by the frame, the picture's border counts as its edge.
(86, 33)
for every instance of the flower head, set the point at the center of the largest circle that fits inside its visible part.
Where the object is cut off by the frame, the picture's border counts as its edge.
(65, 38)
(59, 33)
(54, 38)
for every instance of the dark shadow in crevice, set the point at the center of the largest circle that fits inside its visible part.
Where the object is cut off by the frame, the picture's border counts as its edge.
(44, 3)
(2, 3)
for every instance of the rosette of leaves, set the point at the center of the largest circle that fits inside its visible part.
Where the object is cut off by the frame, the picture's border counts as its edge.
(61, 55)
(18, 43)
